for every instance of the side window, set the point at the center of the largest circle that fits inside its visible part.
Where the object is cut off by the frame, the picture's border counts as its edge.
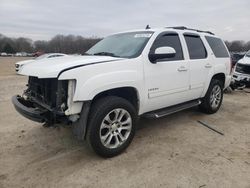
(217, 46)
(170, 40)
(196, 47)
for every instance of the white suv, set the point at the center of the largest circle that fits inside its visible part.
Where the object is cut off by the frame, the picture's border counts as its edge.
(149, 73)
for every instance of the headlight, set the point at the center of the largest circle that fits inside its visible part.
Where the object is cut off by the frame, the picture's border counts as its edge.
(71, 91)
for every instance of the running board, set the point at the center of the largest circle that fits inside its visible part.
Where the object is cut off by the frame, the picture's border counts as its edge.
(172, 109)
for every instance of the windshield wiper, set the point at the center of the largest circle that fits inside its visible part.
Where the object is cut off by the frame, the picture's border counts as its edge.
(106, 54)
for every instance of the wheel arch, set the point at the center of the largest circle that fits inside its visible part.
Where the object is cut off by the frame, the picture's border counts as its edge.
(129, 93)
(219, 76)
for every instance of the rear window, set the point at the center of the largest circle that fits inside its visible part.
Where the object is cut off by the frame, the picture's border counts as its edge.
(217, 46)
(195, 46)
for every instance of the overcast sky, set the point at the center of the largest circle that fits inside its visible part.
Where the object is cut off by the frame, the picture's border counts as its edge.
(42, 19)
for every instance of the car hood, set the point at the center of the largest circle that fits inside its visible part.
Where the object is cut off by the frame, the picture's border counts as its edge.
(50, 68)
(245, 61)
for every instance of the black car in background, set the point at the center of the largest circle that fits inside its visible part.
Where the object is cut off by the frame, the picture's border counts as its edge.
(236, 57)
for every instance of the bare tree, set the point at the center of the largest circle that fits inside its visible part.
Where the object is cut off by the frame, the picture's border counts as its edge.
(71, 44)
(23, 45)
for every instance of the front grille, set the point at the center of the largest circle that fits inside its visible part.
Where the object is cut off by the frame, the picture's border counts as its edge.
(49, 93)
(245, 69)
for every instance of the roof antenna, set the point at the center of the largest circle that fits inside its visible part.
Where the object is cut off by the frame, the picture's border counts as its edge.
(148, 27)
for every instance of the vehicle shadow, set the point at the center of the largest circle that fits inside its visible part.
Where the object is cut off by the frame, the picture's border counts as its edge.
(56, 149)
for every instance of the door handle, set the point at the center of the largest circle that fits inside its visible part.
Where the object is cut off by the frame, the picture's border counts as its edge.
(182, 69)
(208, 65)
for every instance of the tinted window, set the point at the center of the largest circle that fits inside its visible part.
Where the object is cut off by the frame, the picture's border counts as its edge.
(195, 46)
(170, 40)
(217, 47)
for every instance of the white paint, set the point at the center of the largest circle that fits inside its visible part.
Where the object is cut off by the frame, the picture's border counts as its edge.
(158, 85)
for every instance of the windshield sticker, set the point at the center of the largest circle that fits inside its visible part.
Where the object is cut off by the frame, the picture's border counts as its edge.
(143, 35)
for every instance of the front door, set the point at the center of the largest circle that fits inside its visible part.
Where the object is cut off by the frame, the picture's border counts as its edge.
(167, 80)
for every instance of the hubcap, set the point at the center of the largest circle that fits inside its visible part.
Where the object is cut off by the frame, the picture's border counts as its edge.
(115, 128)
(215, 97)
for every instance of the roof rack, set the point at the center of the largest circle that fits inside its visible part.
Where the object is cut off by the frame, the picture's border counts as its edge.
(185, 28)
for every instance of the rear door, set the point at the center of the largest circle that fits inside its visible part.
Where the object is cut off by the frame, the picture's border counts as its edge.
(199, 64)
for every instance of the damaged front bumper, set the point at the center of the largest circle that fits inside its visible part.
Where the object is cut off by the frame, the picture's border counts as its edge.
(34, 112)
(48, 100)
(241, 77)
(240, 80)
(28, 110)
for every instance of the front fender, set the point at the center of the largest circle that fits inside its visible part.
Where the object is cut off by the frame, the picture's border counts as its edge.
(94, 79)
(88, 89)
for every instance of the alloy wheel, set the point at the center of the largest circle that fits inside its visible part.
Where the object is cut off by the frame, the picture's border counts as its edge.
(115, 128)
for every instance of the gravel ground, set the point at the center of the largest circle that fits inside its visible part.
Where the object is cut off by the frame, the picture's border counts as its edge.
(175, 151)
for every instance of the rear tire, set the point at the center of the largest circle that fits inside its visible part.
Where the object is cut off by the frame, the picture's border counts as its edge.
(213, 98)
(111, 126)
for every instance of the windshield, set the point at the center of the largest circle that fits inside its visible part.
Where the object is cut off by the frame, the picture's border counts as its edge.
(125, 45)
(248, 54)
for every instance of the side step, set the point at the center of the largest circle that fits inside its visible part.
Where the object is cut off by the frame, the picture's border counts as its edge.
(172, 109)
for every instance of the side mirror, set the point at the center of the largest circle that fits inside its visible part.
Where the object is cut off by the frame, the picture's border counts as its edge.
(161, 53)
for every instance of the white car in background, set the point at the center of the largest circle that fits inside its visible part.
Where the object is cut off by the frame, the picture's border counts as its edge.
(20, 64)
(242, 70)
(4, 54)
(18, 54)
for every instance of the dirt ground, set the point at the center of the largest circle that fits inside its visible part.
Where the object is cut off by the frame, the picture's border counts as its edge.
(175, 151)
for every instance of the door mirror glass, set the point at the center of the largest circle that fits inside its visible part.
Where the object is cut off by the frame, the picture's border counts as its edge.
(162, 53)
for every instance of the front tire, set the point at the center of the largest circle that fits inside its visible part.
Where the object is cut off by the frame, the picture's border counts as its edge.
(213, 98)
(111, 126)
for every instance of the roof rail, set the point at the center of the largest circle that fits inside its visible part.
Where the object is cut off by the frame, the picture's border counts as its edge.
(185, 28)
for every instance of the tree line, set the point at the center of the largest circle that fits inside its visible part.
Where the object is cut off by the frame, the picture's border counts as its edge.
(238, 46)
(71, 44)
